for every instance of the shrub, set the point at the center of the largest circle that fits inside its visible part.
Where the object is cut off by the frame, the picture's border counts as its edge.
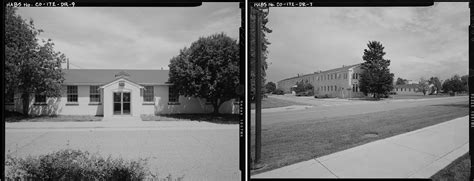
(74, 165)
(279, 92)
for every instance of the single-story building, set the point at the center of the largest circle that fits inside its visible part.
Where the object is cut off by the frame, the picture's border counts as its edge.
(407, 89)
(112, 92)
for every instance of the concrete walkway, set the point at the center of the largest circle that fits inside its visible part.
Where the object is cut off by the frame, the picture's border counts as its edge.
(417, 154)
(119, 124)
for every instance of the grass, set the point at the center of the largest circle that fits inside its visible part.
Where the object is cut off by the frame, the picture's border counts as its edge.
(457, 170)
(18, 117)
(220, 118)
(291, 142)
(418, 96)
(271, 102)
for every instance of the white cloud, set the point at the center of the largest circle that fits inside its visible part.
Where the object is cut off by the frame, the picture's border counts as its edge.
(131, 37)
(419, 41)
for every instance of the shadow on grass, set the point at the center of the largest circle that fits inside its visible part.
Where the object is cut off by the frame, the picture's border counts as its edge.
(219, 118)
(453, 105)
(19, 117)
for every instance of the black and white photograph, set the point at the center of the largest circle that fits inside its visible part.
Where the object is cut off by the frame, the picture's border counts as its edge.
(359, 92)
(122, 93)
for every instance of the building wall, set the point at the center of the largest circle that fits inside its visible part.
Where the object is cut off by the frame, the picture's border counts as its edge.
(55, 106)
(339, 85)
(407, 91)
(186, 104)
(59, 106)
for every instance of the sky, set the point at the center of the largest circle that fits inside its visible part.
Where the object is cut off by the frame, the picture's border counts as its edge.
(130, 37)
(419, 41)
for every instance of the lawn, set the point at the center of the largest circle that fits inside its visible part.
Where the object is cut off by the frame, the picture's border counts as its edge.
(18, 117)
(286, 143)
(418, 96)
(220, 118)
(460, 169)
(271, 102)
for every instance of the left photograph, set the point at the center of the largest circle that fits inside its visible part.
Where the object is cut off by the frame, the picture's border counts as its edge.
(122, 93)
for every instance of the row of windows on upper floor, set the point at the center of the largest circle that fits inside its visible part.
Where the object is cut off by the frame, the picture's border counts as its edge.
(94, 95)
(333, 76)
(329, 88)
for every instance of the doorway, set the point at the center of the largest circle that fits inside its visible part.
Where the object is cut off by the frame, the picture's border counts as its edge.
(121, 103)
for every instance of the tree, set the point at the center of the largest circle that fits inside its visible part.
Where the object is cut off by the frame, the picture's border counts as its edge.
(252, 43)
(302, 86)
(208, 69)
(465, 81)
(401, 81)
(375, 78)
(423, 86)
(435, 85)
(454, 84)
(30, 68)
(270, 87)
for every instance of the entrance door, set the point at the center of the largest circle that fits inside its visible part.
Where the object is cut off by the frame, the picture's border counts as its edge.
(122, 103)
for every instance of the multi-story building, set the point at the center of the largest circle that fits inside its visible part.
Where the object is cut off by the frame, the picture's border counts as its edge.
(342, 82)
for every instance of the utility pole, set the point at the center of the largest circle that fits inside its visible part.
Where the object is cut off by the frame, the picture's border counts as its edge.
(258, 87)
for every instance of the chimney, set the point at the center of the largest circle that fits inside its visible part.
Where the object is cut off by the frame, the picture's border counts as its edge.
(161, 68)
(343, 65)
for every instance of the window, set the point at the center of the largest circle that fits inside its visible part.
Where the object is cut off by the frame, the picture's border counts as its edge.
(409, 89)
(40, 99)
(335, 87)
(71, 93)
(148, 94)
(173, 96)
(94, 94)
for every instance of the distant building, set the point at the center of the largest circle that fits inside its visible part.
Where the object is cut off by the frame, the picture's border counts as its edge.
(340, 82)
(407, 89)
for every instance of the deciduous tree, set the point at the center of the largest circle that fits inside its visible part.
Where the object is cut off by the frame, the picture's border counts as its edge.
(454, 84)
(401, 81)
(270, 87)
(423, 86)
(436, 85)
(30, 67)
(208, 69)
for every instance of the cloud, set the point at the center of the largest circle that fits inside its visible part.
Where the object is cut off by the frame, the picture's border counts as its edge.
(419, 41)
(131, 37)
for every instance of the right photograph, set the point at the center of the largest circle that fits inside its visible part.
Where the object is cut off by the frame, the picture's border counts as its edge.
(359, 92)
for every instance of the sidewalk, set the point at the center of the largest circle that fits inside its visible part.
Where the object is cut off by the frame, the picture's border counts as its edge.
(417, 154)
(118, 124)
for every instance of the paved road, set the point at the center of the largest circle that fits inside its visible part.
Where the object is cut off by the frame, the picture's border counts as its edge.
(335, 108)
(199, 154)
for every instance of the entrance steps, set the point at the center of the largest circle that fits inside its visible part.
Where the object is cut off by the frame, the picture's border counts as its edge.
(122, 119)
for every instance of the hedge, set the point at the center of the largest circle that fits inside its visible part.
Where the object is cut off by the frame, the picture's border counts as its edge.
(72, 164)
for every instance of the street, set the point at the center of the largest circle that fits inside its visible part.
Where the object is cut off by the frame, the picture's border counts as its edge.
(198, 154)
